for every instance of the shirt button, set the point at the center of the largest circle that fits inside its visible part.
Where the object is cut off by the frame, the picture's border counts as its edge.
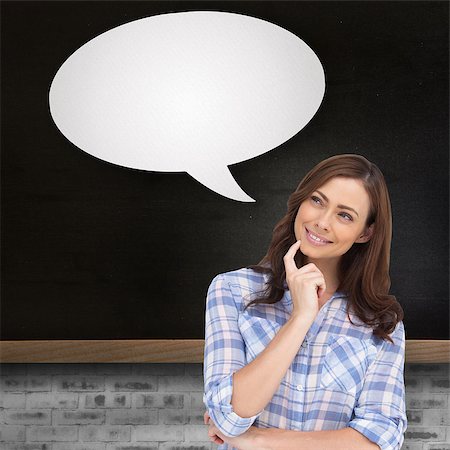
(299, 387)
(304, 344)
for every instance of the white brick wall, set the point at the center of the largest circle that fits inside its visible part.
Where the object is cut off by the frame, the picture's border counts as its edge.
(102, 407)
(159, 407)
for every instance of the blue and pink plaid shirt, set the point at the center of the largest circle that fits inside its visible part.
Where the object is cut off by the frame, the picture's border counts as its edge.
(342, 376)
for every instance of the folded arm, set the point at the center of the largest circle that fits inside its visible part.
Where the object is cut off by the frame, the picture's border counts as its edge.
(344, 439)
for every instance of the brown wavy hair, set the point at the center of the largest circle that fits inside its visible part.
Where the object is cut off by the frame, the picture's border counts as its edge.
(363, 271)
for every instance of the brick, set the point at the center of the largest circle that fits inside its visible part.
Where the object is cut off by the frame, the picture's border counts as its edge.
(438, 446)
(196, 433)
(79, 417)
(425, 433)
(24, 383)
(131, 383)
(159, 400)
(181, 383)
(13, 433)
(23, 446)
(195, 416)
(414, 416)
(186, 446)
(412, 445)
(173, 417)
(413, 384)
(106, 400)
(439, 384)
(426, 401)
(436, 417)
(11, 400)
(105, 433)
(51, 434)
(80, 446)
(159, 433)
(148, 446)
(80, 383)
(132, 417)
(159, 369)
(181, 417)
(197, 400)
(24, 417)
(52, 400)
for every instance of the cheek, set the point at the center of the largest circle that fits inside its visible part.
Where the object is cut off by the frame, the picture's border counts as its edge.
(299, 221)
(349, 238)
(304, 213)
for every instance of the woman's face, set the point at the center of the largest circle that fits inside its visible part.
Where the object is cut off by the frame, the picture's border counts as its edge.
(320, 214)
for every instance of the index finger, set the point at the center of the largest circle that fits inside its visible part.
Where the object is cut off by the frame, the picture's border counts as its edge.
(288, 258)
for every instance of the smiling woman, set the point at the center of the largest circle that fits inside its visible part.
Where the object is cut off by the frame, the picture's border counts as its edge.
(317, 356)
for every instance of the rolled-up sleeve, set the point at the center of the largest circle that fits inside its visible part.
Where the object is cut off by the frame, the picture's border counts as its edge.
(380, 412)
(224, 354)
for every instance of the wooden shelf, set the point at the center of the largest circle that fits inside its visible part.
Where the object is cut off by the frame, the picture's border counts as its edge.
(161, 351)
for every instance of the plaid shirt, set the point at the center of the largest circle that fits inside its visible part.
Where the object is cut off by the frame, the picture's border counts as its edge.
(342, 376)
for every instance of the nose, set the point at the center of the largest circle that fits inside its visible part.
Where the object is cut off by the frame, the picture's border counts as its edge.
(323, 223)
(322, 226)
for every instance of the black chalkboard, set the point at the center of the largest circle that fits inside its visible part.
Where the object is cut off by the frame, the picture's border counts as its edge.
(93, 250)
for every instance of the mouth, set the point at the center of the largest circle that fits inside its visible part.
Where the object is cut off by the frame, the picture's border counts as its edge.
(315, 239)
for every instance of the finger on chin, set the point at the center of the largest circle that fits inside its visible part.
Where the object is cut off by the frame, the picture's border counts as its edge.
(289, 262)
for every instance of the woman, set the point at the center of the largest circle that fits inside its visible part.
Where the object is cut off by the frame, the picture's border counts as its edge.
(316, 359)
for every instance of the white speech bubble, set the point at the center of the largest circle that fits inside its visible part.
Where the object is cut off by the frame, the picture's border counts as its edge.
(188, 92)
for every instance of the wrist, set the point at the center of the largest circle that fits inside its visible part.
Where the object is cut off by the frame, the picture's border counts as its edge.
(305, 318)
(264, 438)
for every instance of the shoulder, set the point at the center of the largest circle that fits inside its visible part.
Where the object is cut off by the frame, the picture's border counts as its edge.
(240, 282)
(243, 278)
(397, 346)
(399, 334)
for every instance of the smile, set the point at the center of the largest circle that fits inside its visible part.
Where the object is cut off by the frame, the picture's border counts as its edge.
(314, 239)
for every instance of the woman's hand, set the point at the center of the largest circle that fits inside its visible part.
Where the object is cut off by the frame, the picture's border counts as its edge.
(213, 436)
(306, 284)
(245, 441)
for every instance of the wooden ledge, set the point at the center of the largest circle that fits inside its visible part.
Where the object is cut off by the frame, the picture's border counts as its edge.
(103, 351)
(161, 351)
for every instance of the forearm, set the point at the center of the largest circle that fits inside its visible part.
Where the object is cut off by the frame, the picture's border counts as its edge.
(343, 439)
(255, 384)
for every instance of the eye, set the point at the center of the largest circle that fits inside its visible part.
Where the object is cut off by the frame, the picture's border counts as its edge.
(314, 198)
(348, 215)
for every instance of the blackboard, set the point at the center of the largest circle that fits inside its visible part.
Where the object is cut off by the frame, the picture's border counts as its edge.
(93, 250)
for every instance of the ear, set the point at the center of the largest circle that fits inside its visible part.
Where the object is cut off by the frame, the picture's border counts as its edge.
(366, 235)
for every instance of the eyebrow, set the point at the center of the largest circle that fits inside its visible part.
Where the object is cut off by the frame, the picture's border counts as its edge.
(339, 206)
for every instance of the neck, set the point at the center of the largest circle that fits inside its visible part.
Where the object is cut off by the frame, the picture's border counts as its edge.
(329, 271)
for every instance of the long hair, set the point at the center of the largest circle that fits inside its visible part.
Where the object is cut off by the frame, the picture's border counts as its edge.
(363, 271)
